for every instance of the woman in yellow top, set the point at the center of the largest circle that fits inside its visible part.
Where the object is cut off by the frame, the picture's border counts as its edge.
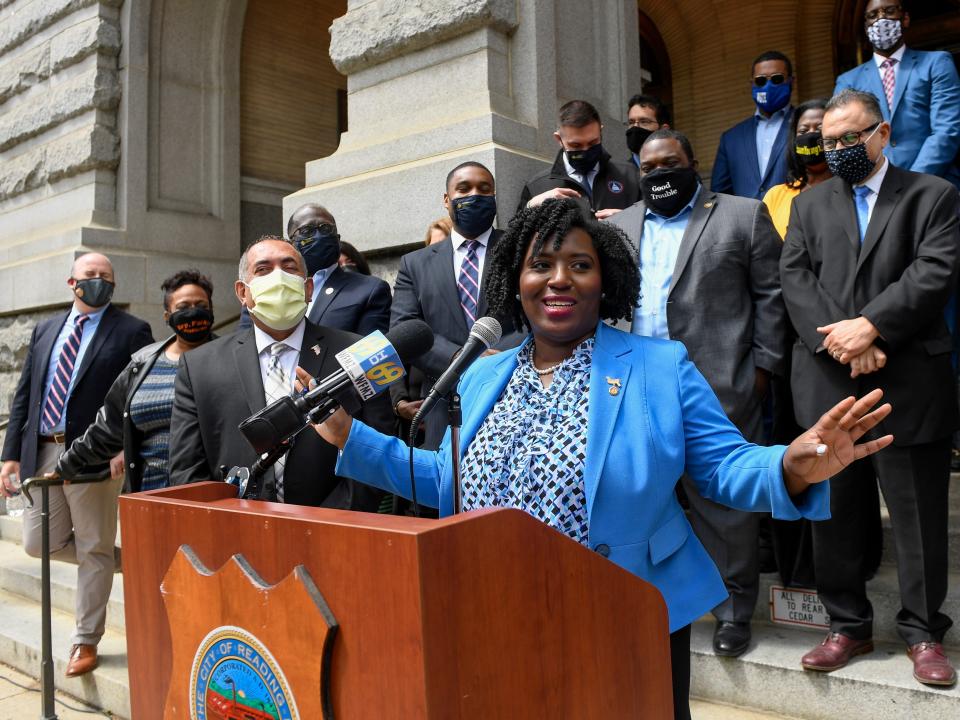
(806, 165)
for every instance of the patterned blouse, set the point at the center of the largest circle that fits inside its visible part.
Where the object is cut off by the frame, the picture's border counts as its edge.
(150, 411)
(530, 450)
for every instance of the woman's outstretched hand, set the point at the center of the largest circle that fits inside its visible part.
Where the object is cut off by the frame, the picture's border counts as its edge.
(830, 445)
(336, 428)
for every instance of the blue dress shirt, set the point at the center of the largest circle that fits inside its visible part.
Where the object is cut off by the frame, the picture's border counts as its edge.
(89, 330)
(659, 247)
(767, 130)
(320, 278)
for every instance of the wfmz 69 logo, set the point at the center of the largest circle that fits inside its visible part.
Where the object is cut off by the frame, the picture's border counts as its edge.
(372, 364)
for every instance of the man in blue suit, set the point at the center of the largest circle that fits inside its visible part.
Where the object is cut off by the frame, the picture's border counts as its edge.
(751, 157)
(919, 94)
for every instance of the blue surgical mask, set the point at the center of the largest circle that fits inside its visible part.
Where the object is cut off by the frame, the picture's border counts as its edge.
(771, 98)
(473, 215)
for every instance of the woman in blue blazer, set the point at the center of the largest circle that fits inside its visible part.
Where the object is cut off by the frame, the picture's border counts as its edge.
(589, 428)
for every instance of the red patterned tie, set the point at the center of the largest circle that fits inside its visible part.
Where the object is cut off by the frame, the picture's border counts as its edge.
(889, 80)
(57, 394)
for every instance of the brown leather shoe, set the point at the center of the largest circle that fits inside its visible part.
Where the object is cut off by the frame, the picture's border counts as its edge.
(83, 659)
(931, 666)
(835, 652)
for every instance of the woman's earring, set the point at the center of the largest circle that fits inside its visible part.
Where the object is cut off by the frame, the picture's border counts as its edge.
(518, 296)
(603, 296)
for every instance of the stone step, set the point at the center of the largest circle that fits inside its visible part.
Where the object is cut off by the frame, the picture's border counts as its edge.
(20, 574)
(11, 528)
(106, 687)
(769, 678)
(884, 594)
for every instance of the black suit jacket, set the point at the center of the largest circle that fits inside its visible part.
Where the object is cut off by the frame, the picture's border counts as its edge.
(899, 279)
(219, 385)
(426, 289)
(615, 186)
(118, 336)
(348, 301)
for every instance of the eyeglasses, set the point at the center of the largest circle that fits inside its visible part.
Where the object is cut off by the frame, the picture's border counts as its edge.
(887, 11)
(304, 235)
(643, 122)
(776, 79)
(848, 139)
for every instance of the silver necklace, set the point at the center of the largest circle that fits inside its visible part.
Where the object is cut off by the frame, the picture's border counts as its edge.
(545, 371)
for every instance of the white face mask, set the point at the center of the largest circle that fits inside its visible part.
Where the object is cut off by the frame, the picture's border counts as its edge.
(884, 33)
(280, 297)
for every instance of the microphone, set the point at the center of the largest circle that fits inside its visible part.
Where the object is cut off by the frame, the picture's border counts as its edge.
(485, 332)
(367, 368)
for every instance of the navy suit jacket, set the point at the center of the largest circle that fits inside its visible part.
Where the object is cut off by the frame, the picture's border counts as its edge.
(925, 122)
(735, 170)
(118, 336)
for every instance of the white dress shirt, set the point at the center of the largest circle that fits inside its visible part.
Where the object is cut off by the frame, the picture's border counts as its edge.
(289, 358)
(460, 251)
(874, 183)
(898, 56)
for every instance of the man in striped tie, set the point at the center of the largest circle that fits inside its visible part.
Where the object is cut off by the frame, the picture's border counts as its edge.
(73, 359)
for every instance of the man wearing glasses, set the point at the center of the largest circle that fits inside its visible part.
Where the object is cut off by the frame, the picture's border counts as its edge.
(645, 115)
(870, 257)
(751, 157)
(919, 94)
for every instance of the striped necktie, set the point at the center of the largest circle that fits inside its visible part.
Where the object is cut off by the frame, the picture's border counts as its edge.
(468, 284)
(277, 385)
(889, 80)
(59, 388)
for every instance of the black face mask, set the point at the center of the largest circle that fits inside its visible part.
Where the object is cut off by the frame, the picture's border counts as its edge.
(808, 148)
(668, 190)
(473, 215)
(192, 324)
(319, 249)
(636, 136)
(583, 160)
(95, 292)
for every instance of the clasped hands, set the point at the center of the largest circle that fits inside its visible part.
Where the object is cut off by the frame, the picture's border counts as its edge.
(851, 342)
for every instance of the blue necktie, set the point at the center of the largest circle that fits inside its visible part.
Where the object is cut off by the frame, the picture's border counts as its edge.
(468, 284)
(860, 195)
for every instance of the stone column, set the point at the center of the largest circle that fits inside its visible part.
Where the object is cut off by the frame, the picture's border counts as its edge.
(437, 82)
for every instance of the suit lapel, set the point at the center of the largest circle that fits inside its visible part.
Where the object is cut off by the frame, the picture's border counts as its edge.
(41, 358)
(887, 200)
(442, 275)
(331, 288)
(109, 320)
(748, 149)
(845, 210)
(903, 77)
(313, 351)
(875, 85)
(604, 408)
(248, 370)
(702, 209)
(779, 146)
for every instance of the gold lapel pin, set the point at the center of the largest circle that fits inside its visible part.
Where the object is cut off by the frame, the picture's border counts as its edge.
(614, 384)
(708, 205)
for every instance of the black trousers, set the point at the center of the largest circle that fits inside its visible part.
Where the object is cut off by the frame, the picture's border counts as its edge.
(680, 667)
(915, 484)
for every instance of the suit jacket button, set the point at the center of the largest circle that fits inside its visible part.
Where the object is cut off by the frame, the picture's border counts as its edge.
(603, 549)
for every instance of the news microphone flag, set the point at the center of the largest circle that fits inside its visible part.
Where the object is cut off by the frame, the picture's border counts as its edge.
(372, 364)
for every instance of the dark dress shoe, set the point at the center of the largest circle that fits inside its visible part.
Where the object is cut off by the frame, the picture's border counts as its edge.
(83, 659)
(931, 666)
(731, 639)
(835, 652)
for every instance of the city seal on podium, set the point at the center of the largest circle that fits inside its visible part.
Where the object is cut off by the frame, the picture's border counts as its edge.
(235, 676)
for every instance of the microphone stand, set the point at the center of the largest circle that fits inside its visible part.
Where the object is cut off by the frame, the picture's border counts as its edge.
(247, 480)
(456, 419)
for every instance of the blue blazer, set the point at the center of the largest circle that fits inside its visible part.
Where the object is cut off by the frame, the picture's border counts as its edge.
(735, 169)
(665, 420)
(925, 122)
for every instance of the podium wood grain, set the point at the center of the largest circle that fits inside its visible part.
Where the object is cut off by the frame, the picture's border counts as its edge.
(490, 614)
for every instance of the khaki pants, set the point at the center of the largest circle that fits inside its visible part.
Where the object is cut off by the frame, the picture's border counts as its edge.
(83, 528)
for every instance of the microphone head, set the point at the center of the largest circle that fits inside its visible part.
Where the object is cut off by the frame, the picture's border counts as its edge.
(487, 330)
(410, 339)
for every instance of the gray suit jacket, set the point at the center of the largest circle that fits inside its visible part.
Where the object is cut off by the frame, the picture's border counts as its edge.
(724, 300)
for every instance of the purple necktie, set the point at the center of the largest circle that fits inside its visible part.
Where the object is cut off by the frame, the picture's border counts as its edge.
(57, 393)
(468, 283)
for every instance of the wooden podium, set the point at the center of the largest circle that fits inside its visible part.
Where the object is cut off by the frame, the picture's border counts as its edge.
(325, 613)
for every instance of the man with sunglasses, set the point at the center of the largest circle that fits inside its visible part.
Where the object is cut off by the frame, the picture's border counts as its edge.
(751, 157)
(869, 260)
(919, 93)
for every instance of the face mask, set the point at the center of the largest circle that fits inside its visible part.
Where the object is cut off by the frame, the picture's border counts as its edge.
(350, 267)
(884, 33)
(668, 190)
(851, 164)
(280, 297)
(95, 292)
(808, 148)
(319, 250)
(636, 137)
(474, 214)
(771, 98)
(192, 324)
(583, 160)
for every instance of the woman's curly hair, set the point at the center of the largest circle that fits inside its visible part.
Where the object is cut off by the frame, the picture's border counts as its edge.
(554, 219)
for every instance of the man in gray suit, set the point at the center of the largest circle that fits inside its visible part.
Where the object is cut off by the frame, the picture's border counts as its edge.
(709, 277)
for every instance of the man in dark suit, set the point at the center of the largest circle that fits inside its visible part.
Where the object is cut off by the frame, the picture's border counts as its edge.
(583, 169)
(442, 284)
(751, 157)
(868, 264)
(708, 278)
(227, 380)
(73, 359)
(919, 94)
(342, 300)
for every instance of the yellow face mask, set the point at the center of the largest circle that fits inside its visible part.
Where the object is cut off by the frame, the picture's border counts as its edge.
(280, 299)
